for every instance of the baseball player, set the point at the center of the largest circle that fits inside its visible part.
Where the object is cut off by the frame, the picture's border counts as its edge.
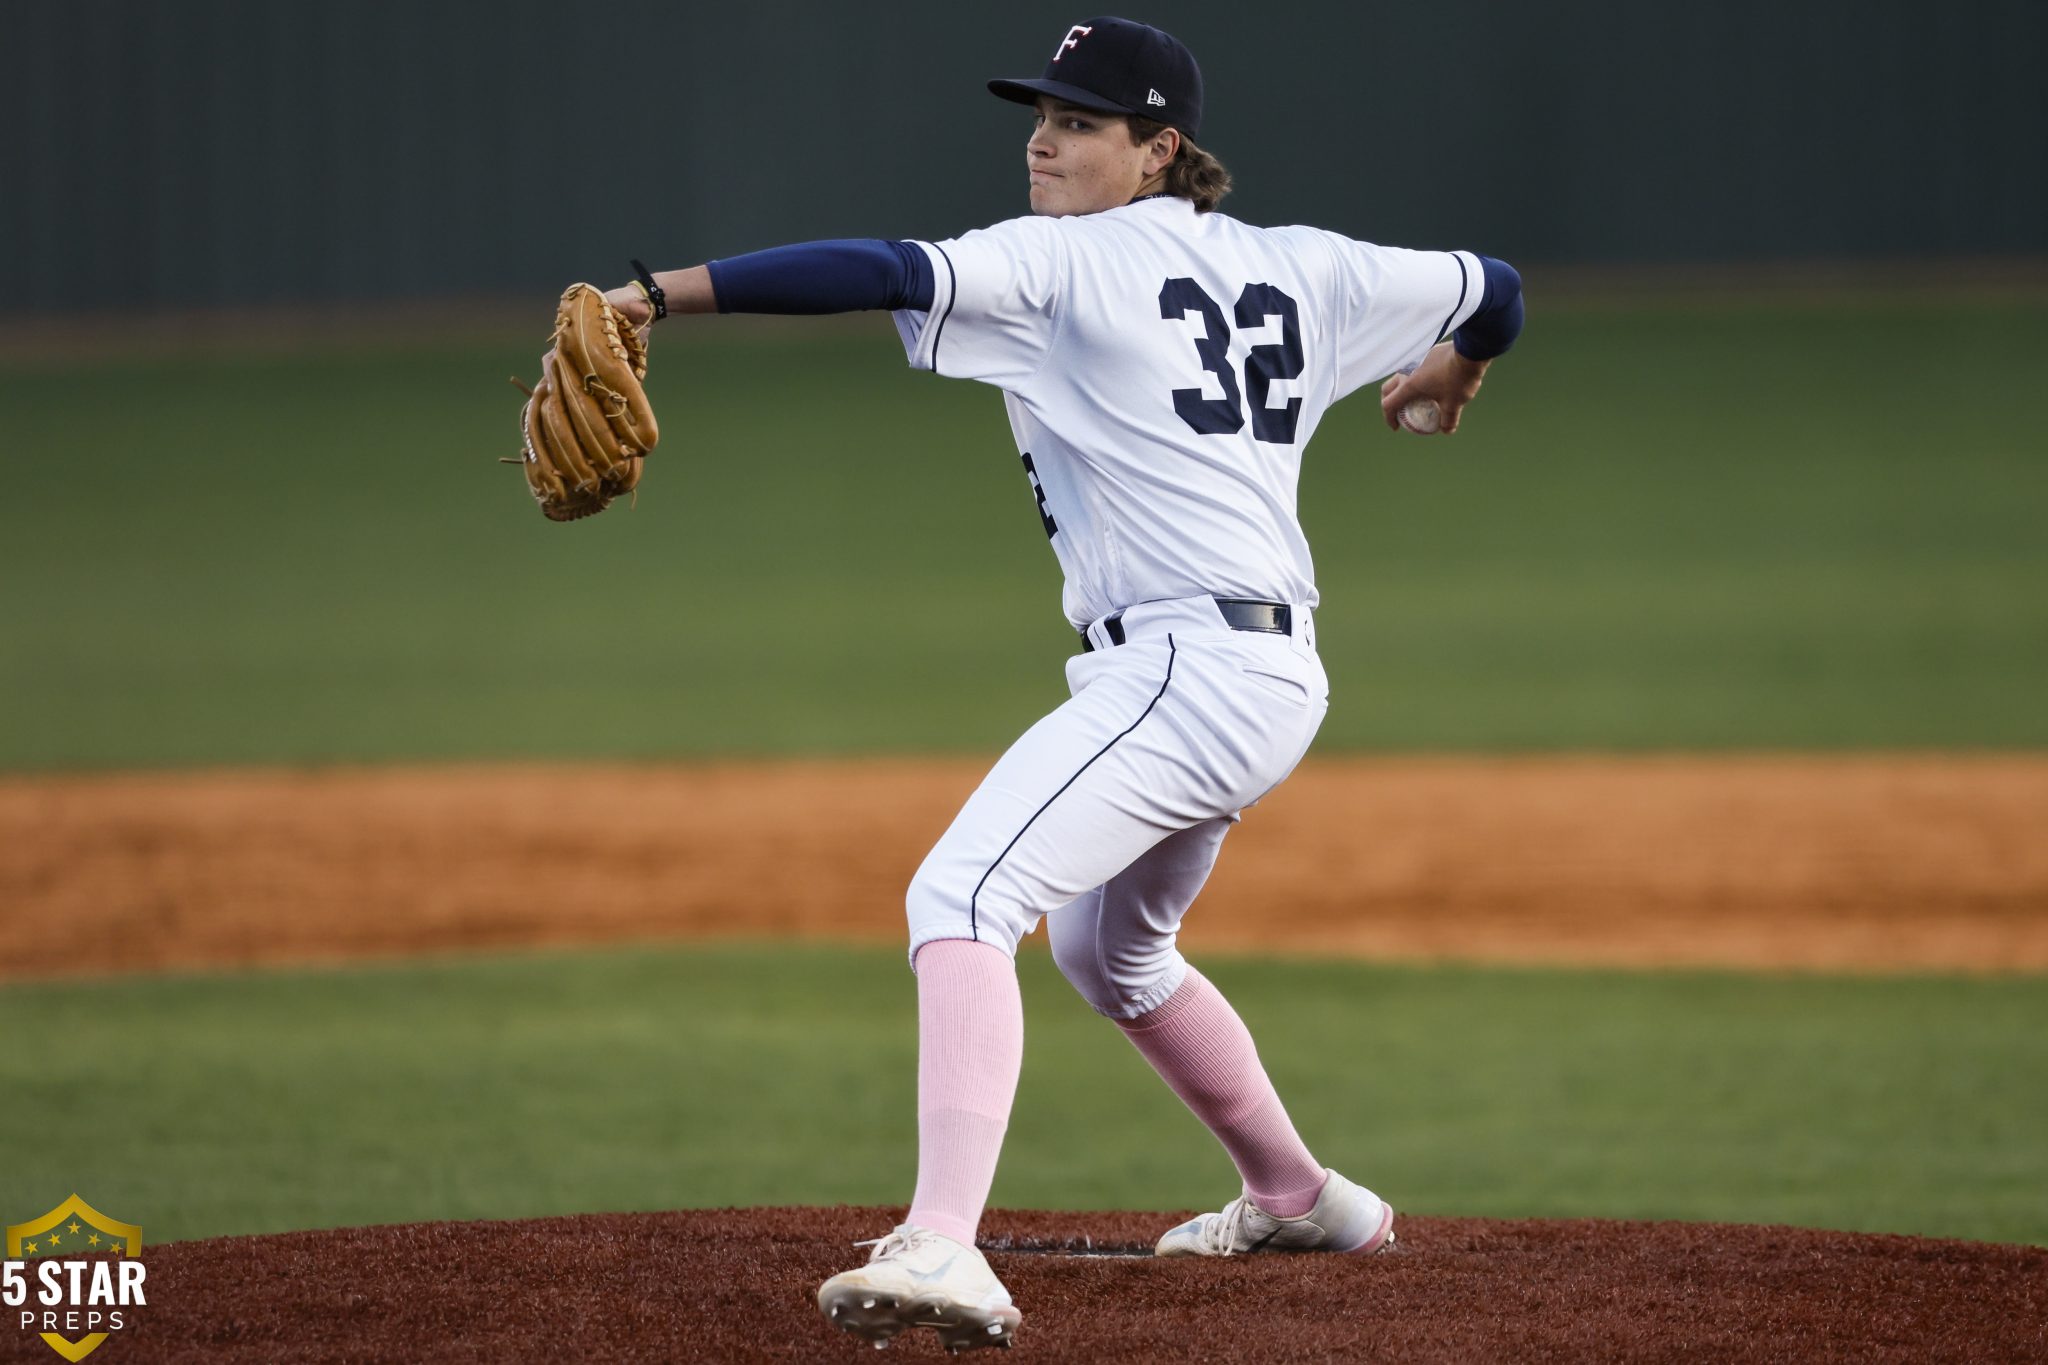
(1163, 366)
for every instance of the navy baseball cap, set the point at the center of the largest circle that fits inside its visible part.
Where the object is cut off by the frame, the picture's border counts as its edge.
(1119, 66)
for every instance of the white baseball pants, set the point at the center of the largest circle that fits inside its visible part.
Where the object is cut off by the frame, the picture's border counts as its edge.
(1108, 814)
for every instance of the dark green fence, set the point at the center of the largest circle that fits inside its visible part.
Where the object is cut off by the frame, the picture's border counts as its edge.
(166, 154)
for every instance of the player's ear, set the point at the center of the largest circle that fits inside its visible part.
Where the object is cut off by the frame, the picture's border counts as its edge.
(1162, 151)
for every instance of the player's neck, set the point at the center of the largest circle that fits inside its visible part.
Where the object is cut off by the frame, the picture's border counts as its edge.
(1151, 187)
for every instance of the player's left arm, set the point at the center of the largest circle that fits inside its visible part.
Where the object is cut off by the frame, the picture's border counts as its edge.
(843, 276)
(682, 291)
(1452, 371)
(991, 296)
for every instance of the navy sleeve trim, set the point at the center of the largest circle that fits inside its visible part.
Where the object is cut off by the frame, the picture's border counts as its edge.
(1494, 325)
(1464, 288)
(952, 293)
(848, 275)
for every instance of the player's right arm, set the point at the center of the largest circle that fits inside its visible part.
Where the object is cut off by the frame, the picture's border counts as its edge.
(1433, 319)
(1450, 374)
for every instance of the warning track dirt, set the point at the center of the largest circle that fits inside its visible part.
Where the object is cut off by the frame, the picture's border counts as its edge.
(1887, 863)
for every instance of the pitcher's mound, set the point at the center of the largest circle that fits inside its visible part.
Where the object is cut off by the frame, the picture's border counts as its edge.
(737, 1284)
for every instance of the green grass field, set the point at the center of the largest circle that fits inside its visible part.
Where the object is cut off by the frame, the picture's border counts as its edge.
(742, 1074)
(1666, 525)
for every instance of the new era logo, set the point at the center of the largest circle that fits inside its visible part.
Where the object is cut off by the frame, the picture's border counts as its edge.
(1154, 97)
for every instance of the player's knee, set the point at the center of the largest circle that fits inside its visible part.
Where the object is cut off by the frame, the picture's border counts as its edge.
(1076, 958)
(1122, 985)
(929, 905)
(1145, 979)
(934, 908)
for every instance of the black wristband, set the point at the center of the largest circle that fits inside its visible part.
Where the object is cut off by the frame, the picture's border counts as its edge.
(656, 296)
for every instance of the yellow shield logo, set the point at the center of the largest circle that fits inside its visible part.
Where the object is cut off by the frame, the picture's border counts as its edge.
(76, 1229)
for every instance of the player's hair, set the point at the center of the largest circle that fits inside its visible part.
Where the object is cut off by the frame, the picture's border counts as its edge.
(1193, 173)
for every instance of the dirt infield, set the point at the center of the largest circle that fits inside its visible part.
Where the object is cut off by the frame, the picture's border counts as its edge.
(1899, 863)
(737, 1285)
(1885, 863)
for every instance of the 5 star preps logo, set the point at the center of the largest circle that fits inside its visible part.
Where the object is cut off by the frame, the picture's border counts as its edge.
(71, 1277)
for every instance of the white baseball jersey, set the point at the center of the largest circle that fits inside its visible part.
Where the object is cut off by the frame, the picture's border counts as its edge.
(1163, 370)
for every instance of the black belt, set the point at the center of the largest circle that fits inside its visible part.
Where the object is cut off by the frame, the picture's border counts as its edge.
(1239, 613)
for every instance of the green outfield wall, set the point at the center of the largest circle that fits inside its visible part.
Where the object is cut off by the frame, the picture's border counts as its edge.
(162, 155)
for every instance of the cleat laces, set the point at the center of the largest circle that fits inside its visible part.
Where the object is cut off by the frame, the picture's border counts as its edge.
(1222, 1233)
(898, 1241)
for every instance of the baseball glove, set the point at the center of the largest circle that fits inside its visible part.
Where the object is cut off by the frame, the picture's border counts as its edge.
(587, 424)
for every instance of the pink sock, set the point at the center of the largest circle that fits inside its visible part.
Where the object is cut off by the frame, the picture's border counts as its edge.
(970, 1047)
(1199, 1046)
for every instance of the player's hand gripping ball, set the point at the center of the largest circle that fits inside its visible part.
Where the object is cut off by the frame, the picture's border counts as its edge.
(1423, 417)
(587, 425)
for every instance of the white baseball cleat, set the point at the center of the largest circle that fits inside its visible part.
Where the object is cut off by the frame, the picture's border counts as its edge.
(919, 1278)
(1347, 1218)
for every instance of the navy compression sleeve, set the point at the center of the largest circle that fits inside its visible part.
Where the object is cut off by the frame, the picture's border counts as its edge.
(1493, 327)
(843, 276)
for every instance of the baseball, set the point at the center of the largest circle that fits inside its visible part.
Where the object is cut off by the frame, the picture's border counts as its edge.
(1422, 417)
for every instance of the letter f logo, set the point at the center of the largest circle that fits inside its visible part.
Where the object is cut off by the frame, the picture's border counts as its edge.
(1073, 38)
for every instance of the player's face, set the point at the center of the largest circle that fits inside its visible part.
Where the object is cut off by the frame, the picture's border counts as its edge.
(1081, 161)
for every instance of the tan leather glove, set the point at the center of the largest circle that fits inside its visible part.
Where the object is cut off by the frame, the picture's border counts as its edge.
(587, 424)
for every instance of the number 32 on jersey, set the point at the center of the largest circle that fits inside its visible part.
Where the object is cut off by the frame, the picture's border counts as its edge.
(1256, 306)
(1225, 416)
